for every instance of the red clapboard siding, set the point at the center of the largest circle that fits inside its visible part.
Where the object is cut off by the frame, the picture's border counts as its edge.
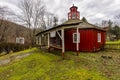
(98, 44)
(69, 45)
(88, 40)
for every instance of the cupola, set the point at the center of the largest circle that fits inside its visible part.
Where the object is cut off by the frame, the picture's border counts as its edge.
(73, 14)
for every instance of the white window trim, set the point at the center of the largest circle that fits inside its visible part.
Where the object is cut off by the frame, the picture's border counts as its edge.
(99, 37)
(53, 34)
(20, 38)
(76, 37)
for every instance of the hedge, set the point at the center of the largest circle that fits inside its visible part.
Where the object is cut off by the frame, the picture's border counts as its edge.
(7, 47)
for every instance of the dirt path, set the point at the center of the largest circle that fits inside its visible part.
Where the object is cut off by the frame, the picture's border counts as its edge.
(13, 58)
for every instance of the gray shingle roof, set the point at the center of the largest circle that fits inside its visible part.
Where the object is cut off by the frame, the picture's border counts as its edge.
(75, 22)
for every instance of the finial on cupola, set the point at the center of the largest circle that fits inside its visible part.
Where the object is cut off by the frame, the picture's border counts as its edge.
(73, 14)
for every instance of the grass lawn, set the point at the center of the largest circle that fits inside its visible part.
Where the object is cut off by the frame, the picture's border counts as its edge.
(113, 42)
(113, 45)
(17, 53)
(46, 66)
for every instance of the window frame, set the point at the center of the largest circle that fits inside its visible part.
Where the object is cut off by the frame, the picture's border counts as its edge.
(20, 40)
(73, 15)
(99, 37)
(75, 40)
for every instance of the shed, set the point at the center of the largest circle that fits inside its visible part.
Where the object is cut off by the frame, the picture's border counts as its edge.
(73, 35)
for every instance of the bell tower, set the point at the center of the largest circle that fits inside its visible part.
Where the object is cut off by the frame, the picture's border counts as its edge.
(73, 14)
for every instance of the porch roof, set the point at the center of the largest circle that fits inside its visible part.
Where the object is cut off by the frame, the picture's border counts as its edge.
(72, 23)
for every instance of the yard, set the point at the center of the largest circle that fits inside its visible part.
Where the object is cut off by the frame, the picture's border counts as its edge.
(114, 45)
(113, 42)
(41, 65)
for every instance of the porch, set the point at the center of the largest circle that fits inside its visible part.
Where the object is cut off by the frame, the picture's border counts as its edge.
(55, 37)
(55, 40)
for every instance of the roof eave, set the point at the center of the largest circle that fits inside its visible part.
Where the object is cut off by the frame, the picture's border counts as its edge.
(62, 25)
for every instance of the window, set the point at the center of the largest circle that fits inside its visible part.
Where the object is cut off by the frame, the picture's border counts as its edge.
(53, 34)
(20, 40)
(99, 37)
(69, 15)
(73, 15)
(75, 37)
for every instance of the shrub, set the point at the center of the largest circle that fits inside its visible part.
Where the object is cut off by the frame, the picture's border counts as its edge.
(7, 47)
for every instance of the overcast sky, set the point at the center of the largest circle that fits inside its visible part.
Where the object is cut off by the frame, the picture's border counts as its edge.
(93, 10)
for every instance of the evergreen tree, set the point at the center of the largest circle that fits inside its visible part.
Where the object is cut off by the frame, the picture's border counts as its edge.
(84, 19)
(55, 21)
(116, 31)
(110, 28)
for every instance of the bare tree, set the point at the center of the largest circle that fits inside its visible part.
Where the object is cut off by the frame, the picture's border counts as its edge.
(62, 20)
(55, 21)
(32, 14)
(117, 19)
(116, 32)
(104, 23)
(2, 15)
(4, 12)
(49, 19)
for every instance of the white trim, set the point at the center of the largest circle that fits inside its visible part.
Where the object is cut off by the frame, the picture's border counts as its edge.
(20, 40)
(78, 39)
(40, 43)
(37, 40)
(48, 40)
(99, 37)
(63, 43)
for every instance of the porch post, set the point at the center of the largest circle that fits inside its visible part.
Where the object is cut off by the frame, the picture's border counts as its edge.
(77, 44)
(48, 40)
(63, 43)
(40, 42)
(37, 41)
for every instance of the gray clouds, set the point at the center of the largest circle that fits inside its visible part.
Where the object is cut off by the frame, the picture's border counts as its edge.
(93, 10)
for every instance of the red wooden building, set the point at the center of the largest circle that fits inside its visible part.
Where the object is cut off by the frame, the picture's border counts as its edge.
(73, 35)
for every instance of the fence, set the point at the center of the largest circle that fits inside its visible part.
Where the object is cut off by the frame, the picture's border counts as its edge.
(112, 46)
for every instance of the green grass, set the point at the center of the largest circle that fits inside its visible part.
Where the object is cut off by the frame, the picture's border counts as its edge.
(46, 66)
(113, 45)
(113, 42)
(17, 53)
